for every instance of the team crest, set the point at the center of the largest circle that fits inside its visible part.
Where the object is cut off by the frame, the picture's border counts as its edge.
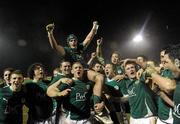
(119, 71)
(137, 82)
(87, 87)
(116, 87)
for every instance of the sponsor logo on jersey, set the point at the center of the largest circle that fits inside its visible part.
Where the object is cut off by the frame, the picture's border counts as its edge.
(119, 71)
(131, 92)
(4, 99)
(116, 87)
(87, 87)
(137, 82)
(177, 111)
(81, 97)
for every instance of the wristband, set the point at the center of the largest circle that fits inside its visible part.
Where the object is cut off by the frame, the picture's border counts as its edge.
(97, 99)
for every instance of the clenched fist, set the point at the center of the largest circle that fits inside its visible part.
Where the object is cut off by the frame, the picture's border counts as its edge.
(50, 28)
(95, 26)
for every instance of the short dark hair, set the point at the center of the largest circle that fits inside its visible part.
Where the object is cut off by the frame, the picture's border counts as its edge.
(173, 51)
(17, 72)
(8, 69)
(166, 47)
(143, 56)
(63, 60)
(130, 62)
(113, 66)
(115, 52)
(96, 61)
(77, 62)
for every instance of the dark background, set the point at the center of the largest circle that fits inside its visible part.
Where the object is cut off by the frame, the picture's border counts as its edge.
(23, 38)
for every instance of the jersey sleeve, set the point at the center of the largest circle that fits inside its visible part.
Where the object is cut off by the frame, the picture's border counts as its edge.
(122, 86)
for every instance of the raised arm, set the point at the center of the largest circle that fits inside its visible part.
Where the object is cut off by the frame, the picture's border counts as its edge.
(91, 34)
(52, 40)
(99, 51)
(93, 56)
(99, 82)
(98, 48)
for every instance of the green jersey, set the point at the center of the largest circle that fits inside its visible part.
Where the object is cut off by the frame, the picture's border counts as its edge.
(39, 104)
(115, 89)
(44, 85)
(2, 83)
(10, 106)
(118, 69)
(77, 103)
(176, 99)
(164, 110)
(76, 54)
(57, 77)
(140, 98)
(167, 73)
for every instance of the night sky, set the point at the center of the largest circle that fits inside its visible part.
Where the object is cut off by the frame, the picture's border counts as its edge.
(23, 38)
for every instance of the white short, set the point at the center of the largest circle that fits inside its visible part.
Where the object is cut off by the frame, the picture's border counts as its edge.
(69, 121)
(50, 120)
(149, 120)
(169, 121)
(62, 118)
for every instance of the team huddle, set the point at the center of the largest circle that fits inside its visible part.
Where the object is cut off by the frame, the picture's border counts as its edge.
(96, 91)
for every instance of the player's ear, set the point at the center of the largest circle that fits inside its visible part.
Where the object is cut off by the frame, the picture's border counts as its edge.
(177, 63)
(72, 71)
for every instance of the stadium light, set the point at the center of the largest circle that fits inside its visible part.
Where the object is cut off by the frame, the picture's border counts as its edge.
(138, 38)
